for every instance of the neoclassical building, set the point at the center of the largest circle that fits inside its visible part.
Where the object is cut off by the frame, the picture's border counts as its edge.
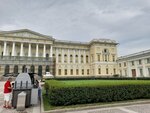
(28, 51)
(135, 65)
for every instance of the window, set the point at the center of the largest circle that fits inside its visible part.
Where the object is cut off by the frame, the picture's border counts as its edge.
(71, 71)
(99, 70)
(59, 58)
(71, 59)
(132, 63)
(65, 71)
(107, 71)
(77, 72)
(141, 72)
(81, 58)
(113, 57)
(119, 64)
(140, 62)
(149, 71)
(87, 59)
(105, 58)
(98, 57)
(114, 71)
(82, 71)
(148, 60)
(65, 57)
(59, 72)
(124, 64)
(88, 71)
(76, 58)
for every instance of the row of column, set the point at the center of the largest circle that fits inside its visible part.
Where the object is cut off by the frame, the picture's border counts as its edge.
(29, 50)
(68, 56)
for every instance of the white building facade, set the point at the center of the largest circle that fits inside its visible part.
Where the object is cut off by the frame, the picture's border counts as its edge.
(135, 65)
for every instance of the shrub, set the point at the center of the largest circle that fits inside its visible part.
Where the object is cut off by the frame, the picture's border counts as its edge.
(81, 95)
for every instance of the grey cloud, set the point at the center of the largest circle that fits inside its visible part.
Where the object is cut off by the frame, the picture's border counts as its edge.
(126, 21)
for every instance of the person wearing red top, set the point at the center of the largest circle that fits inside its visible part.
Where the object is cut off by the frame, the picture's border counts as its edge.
(7, 93)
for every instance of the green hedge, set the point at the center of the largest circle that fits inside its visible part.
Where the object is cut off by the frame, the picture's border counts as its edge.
(82, 95)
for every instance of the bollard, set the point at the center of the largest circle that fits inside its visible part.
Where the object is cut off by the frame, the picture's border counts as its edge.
(21, 101)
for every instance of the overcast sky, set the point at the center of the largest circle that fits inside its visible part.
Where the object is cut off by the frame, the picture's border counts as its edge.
(126, 21)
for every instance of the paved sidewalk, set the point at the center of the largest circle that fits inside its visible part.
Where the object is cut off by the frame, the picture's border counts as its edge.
(140, 108)
(32, 109)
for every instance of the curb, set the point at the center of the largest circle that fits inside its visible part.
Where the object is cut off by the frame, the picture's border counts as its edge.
(94, 107)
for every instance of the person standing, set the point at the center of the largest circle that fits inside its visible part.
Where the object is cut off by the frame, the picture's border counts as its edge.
(7, 93)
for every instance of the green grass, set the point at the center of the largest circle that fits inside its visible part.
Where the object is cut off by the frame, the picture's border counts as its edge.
(88, 83)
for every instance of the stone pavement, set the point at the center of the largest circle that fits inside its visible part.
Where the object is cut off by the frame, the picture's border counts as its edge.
(139, 108)
(32, 109)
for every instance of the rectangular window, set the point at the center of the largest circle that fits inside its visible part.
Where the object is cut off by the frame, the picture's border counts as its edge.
(59, 72)
(107, 71)
(99, 70)
(124, 64)
(65, 71)
(114, 71)
(71, 71)
(113, 57)
(132, 63)
(141, 72)
(119, 64)
(77, 72)
(148, 60)
(149, 71)
(82, 71)
(140, 62)
(98, 57)
(88, 71)
(125, 72)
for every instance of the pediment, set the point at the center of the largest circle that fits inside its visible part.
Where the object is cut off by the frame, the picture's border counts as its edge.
(25, 33)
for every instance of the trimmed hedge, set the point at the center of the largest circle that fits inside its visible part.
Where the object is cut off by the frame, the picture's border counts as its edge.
(81, 95)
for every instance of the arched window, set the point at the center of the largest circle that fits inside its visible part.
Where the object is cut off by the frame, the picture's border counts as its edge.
(16, 69)
(32, 69)
(81, 58)
(87, 59)
(71, 59)
(59, 58)
(40, 70)
(6, 69)
(65, 58)
(76, 58)
(47, 68)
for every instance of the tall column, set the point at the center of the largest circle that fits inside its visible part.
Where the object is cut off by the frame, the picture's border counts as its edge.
(13, 49)
(51, 51)
(29, 50)
(37, 50)
(68, 56)
(5, 46)
(44, 50)
(21, 50)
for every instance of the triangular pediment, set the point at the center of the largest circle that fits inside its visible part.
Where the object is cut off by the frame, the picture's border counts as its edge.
(25, 33)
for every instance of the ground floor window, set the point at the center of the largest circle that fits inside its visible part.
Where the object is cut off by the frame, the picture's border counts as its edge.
(99, 70)
(40, 70)
(88, 71)
(32, 69)
(71, 71)
(77, 72)
(59, 72)
(82, 71)
(16, 69)
(6, 69)
(149, 71)
(65, 71)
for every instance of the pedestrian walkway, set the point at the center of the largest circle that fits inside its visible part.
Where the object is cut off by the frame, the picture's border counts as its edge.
(139, 108)
(32, 109)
